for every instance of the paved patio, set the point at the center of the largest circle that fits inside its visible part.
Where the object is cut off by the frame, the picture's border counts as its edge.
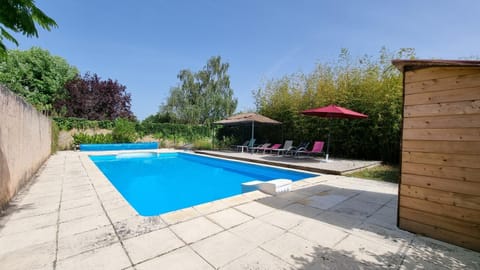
(71, 217)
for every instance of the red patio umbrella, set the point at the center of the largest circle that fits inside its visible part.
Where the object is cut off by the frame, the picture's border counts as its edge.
(333, 111)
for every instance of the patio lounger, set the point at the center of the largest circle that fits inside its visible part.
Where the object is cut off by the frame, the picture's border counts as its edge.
(286, 146)
(274, 147)
(293, 149)
(261, 147)
(240, 145)
(249, 145)
(316, 149)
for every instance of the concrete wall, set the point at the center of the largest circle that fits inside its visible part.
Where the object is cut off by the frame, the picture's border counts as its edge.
(25, 143)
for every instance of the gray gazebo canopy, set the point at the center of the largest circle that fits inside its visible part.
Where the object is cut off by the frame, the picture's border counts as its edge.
(247, 119)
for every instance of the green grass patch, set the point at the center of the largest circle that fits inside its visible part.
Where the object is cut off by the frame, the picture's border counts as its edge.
(387, 173)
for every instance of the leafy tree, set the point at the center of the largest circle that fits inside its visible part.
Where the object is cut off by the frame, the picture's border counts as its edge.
(91, 98)
(36, 75)
(159, 118)
(202, 97)
(20, 16)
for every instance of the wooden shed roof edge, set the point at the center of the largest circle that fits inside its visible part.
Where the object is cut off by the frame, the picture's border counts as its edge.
(403, 64)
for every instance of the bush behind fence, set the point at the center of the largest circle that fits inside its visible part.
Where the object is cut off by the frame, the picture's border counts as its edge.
(69, 123)
(170, 130)
(158, 130)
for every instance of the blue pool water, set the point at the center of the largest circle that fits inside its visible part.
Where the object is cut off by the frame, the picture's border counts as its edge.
(158, 183)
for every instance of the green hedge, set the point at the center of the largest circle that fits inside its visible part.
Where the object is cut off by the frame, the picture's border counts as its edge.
(158, 129)
(81, 138)
(124, 131)
(128, 131)
(69, 123)
(169, 130)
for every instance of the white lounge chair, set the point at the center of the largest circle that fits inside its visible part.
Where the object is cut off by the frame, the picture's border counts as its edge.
(286, 146)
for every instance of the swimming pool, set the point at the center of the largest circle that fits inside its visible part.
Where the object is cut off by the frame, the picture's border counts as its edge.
(156, 183)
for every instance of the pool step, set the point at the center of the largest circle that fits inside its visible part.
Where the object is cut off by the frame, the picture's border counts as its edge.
(272, 187)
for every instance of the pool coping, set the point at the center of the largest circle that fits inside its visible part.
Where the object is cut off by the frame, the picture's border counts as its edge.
(254, 158)
(272, 163)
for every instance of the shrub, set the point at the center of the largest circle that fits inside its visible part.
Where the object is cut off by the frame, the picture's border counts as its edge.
(203, 144)
(124, 131)
(163, 130)
(69, 123)
(225, 142)
(83, 138)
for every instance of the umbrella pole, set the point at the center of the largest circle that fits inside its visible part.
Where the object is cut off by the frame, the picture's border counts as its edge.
(253, 134)
(213, 138)
(328, 141)
(253, 130)
(328, 147)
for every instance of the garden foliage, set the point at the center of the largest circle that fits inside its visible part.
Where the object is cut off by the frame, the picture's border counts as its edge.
(81, 138)
(37, 76)
(368, 85)
(92, 98)
(124, 131)
(201, 97)
(169, 130)
(69, 123)
(21, 16)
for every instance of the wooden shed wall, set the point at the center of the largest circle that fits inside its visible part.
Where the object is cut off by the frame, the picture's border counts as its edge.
(440, 182)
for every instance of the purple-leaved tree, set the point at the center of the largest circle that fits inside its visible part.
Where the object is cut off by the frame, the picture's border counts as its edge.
(91, 98)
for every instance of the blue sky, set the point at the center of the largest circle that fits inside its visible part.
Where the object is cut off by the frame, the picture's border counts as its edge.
(144, 44)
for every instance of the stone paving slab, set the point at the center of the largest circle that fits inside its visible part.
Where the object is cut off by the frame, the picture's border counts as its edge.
(135, 226)
(222, 248)
(229, 218)
(290, 248)
(195, 229)
(81, 225)
(254, 209)
(29, 223)
(71, 217)
(257, 232)
(257, 259)
(320, 233)
(72, 245)
(33, 256)
(152, 244)
(15, 241)
(109, 257)
(181, 259)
